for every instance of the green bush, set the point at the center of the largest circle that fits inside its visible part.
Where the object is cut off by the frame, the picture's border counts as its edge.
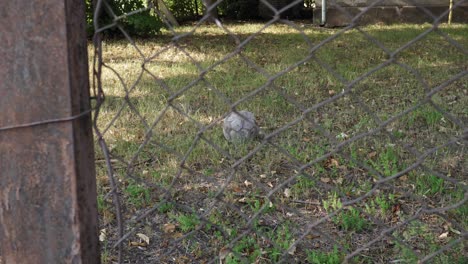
(142, 24)
(185, 9)
(239, 9)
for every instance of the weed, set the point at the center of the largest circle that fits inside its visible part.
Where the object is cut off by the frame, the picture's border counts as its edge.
(385, 202)
(398, 134)
(319, 257)
(247, 246)
(382, 202)
(165, 207)
(105, 256)
(354, 155)
(208, 172)
(101, 203)
(348, 219)
(429, 184)
(138, 194)
(282, 239)
(332, 203)
(387, 162)
(427, 115)
(406, 254)
(351, 219)
(303, 185)
(187, 222)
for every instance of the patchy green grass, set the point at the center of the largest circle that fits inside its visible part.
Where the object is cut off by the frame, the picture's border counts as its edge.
(187, 222)
(333, 257)
(162, 119)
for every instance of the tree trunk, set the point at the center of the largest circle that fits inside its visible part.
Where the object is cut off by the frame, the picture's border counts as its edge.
(213, 13)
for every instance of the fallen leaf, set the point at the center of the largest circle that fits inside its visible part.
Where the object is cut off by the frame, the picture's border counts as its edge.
(331, 162)
(292, 250)
(372, 154)
(242, 200)
(102, 235)
(455, 231)
(312, 236)
(287, 192)
(325, 180)
(247, 183)
(144, 238)
(334, 162)
(443, 235)
(263, 176)
(169, 228)
(224, 252)
(177, 235)
(396, 211)
(136, 244)
(331, 92)
(339, 180)
(237, 189)
(182, 259)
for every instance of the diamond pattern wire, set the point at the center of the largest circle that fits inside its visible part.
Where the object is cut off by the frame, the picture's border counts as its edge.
(308, 190)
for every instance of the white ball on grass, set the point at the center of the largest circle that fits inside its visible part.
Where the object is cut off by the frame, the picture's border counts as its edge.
(240, 127)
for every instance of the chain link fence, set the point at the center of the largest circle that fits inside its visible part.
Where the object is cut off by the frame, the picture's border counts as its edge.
(360, 156)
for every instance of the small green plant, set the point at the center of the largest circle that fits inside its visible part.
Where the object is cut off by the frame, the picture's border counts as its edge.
(138, 194)
(257, 205)
(105, 256)
(247, 246)
(187, 222)
(283, 239)
(398, 134)
(101, 203)
(351, 219)
(387, 162)
(319, 257)
(385, 202)
(431, 116)
(208, 171)
(426, 114)
(353, 150)
(406, 253)
(303, 186)
(348, 219)
(429, 184)
(332, 203)
(165, 207)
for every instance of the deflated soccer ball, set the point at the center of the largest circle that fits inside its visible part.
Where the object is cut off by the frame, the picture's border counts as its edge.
(240, 127)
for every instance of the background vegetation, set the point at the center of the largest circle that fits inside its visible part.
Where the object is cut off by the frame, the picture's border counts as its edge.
(147, 23)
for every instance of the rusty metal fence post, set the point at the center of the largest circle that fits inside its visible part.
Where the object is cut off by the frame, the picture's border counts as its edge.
(47, 176)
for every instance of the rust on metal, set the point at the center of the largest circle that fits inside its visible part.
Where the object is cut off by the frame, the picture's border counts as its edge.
(47, 177)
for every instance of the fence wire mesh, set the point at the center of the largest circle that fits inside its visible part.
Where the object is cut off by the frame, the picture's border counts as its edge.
(360, 156)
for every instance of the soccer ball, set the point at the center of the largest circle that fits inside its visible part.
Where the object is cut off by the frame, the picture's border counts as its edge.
(240, 127)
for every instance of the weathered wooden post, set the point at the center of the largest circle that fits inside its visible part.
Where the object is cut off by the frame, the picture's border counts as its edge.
(47, 176)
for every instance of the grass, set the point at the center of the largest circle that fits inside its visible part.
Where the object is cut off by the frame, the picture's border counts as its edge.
(187, 222)
(316, 257)
(269, 200)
